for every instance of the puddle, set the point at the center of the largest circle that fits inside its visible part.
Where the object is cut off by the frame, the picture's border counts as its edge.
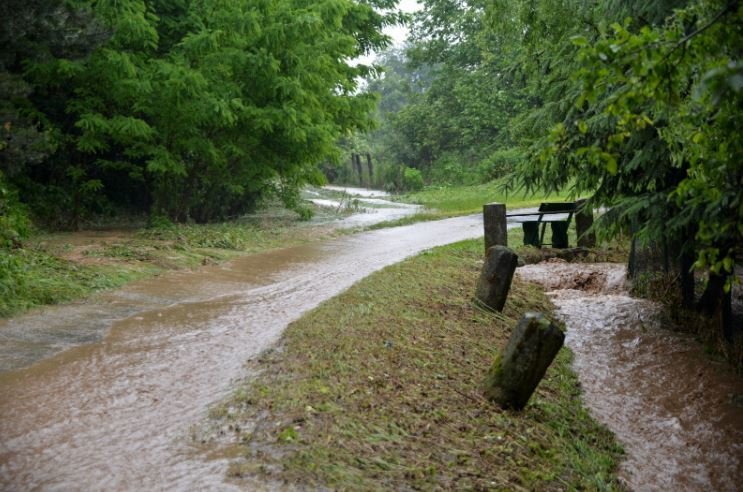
(672, 409)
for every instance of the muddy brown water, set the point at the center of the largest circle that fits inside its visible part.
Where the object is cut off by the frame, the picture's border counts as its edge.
(115, 412)
(673, 409)
(103, 395)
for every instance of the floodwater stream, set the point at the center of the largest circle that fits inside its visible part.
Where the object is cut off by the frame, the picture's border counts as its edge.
(115, 413)
(677, 414)
(372, 206)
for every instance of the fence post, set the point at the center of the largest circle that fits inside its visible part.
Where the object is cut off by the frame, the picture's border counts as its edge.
(494, 220)
(583, 222)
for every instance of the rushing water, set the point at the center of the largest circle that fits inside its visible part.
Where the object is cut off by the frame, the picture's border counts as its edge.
(115, 413)
(102, 394)
(673, 409)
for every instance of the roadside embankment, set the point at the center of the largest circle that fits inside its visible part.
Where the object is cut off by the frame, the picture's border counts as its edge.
(380, 388)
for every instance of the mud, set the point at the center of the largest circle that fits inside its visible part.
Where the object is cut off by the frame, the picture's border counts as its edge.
(676, 412)
(115, 412)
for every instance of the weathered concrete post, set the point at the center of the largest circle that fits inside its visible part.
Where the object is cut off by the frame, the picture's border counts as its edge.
(519, 368)
(583, 222)
(496, 276)
(494, 218)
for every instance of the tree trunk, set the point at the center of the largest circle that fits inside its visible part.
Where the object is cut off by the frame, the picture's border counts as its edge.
(717, 304)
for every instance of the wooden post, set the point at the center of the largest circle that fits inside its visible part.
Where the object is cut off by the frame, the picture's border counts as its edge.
(353, 165)
(519, 368)
(496, 277)
(583, 222)
(494, 220)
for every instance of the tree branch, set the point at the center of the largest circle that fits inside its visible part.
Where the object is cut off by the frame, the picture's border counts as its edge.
(728, 8)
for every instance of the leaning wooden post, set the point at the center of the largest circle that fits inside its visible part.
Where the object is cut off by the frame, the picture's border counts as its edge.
(583, 222)
(494, 219)
(496, 276)
(519, 368)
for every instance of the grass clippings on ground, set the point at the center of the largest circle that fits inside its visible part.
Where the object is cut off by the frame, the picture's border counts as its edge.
(379, 388)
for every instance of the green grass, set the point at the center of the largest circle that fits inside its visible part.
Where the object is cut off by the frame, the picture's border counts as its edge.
(462, 200)
(31, 278)
(379, 388)
(46, 272)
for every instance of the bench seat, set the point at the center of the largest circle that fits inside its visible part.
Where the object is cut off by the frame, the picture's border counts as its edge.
(546, 214)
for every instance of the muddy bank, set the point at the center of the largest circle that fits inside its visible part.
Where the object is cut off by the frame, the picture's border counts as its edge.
(677, 413)
(380, 389)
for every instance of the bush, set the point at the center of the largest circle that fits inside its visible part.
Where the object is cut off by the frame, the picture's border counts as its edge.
(500, 163)
(14, 222)
(453, 169)
(412, 179)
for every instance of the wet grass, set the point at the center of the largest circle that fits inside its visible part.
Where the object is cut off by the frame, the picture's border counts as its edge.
(30, 278)
(442, 202)
(463, 200)
(379, 388)
(63, 267)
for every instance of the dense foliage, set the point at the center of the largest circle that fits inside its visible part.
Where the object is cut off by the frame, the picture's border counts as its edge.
(191, 109)
(637, 104)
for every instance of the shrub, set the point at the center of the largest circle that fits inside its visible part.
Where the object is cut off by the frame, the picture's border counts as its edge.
(500, 163)
(412, 179)
(14, 223)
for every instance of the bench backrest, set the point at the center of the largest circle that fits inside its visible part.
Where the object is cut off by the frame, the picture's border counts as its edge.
(557, 207)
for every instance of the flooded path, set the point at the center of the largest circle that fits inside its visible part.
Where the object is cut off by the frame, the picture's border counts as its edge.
(675, 412)
(136, 369)
(372, 204)
(115, 413)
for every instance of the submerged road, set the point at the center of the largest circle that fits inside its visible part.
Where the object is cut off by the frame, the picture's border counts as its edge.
(142, 365)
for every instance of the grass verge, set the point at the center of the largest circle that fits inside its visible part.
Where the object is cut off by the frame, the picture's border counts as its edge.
(463, 200)
(378, 388)
(30, 278)
(62, 267)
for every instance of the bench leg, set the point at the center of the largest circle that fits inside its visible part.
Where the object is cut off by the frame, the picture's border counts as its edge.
(541, 236)
(531, 234)
(559, 234)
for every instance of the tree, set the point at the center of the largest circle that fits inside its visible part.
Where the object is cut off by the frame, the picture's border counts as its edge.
(652, 132)
(31, 32)
(196, 109)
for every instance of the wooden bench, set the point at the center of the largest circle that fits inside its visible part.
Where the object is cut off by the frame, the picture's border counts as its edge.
(534, 237)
